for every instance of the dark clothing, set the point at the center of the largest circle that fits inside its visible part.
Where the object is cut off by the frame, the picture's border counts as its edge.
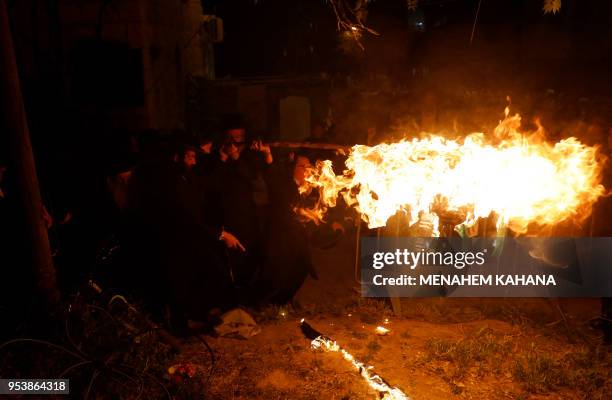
(15, 285)
(206, 165)
(197, 274)
(184, 251)
(602, 210)
(287, 259)
(601, 226)
(317, 154)
(232, 191)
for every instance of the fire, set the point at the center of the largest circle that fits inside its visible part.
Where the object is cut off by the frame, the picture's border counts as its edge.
(381, 330)
(374, 381)
(319, 341)
(517, 178)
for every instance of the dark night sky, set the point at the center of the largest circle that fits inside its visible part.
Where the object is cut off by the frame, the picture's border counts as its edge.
(270, 37)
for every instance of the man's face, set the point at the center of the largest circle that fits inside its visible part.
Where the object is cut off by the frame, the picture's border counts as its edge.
(189, 159)
(231, 150)
(206, 147)
(123, 177)
(237, 135)
(238, 138)
(302, 164)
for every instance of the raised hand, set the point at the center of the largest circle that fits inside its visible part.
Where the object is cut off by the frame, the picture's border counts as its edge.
(231, 241)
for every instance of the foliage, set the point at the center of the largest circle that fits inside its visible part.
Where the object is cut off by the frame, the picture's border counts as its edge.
(107, 350)
(351, 20)
(539, 372)
(482, 347)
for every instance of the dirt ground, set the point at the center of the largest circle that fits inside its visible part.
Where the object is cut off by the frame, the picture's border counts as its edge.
(436, 348)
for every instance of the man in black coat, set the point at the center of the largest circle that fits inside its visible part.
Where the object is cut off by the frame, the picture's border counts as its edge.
(234, 190)
(191, 264)
(287, 260)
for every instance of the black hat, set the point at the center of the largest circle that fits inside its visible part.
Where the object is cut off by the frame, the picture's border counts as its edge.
(120, 162)
(233, 121)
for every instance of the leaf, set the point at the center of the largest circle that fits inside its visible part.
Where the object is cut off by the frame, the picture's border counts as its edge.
(551, 6)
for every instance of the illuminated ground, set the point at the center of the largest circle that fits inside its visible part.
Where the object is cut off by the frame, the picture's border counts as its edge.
(437, 349)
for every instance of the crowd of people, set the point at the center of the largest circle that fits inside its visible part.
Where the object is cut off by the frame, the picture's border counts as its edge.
(189, 225)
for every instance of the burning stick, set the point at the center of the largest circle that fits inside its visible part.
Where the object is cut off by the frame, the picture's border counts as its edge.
(319, 341)
(309, 145)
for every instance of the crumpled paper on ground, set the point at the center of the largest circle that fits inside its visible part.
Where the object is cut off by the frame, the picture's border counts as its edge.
(237, 324)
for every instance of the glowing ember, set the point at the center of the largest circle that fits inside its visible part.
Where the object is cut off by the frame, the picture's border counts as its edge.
(381, 330)
(519, 179)
(377, 383)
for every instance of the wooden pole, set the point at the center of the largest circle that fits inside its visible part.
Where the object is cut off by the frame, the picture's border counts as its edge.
(308, 145)
(14, 124)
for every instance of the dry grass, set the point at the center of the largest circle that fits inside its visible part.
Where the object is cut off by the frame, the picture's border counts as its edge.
(476, 355)
(484, 359)
(586, 369)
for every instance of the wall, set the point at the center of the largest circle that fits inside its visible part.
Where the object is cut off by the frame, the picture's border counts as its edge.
(160, 35)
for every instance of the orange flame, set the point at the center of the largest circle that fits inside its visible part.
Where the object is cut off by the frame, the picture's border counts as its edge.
(374, 381)
(517, 177)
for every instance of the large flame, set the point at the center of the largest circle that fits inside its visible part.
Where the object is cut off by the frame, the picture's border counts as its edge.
(518, 178)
